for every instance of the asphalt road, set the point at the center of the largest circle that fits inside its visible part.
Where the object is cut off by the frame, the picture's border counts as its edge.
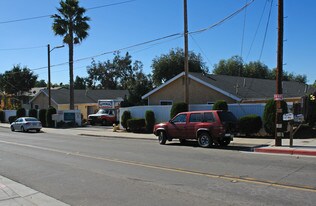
(81, 170)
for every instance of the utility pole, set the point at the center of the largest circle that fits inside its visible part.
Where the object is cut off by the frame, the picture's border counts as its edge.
(186, 55)
(49, 83)
(279, 71)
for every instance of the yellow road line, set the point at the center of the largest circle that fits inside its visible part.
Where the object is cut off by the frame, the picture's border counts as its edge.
(178, 170)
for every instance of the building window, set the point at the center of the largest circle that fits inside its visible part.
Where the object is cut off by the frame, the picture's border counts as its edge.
(166, 102)
(36, 106)
(209, 102)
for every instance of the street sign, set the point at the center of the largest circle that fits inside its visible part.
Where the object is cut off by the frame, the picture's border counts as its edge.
(288, 117)
(278, 97)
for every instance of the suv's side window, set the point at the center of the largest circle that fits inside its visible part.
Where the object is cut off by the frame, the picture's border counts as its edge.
(196, 117)
(181, 118)
(209, 117)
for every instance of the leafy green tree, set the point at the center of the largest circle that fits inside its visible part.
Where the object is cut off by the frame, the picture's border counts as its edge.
(72, 25)
(169, 65)
(80, 83)
(314, 85)
(17, 80)
(233, 66)
(256, 69)
(41, 83)
(139, 86)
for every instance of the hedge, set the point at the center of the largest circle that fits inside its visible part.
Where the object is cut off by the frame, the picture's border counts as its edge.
(42, 117)
(136, 124)
(12, 119)
(125, 116)
(33, 113)
(220, 105)
(250, 124)
(20, 112)
(49, 113)
(177, 108)
(150, 120)
(269, 115)
(2, 116)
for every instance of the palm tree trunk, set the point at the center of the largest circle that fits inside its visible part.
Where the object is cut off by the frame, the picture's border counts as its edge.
(71, 71)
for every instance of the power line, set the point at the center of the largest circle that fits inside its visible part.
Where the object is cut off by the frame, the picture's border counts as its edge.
(257, 29)
(223, 20)
(23, 48)
(46, 16)
(266, 31)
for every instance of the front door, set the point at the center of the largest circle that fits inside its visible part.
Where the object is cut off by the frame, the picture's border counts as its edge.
(177, 126)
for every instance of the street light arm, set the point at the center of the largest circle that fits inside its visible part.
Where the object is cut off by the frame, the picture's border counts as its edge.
(57, 47)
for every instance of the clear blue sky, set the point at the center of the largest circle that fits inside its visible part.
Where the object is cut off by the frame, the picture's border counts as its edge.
(127, 24)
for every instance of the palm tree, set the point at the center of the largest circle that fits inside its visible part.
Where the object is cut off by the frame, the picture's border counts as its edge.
(72, 25)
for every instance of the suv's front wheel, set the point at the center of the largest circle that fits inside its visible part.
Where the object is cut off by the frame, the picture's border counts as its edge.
(162, 138)
(205, 140)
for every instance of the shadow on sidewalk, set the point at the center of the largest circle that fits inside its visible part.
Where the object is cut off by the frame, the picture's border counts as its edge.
(232, 147)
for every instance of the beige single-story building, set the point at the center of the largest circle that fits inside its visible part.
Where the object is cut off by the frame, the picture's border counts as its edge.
(85, 100)
(207, 89)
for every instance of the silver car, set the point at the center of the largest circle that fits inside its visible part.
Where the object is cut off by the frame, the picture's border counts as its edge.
(25, 124)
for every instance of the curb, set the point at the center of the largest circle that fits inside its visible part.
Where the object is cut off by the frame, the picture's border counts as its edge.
(286, 151)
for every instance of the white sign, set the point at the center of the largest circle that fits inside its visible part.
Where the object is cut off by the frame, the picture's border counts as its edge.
(288, 117)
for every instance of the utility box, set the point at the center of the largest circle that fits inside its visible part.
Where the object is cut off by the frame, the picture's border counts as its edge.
(68, 116)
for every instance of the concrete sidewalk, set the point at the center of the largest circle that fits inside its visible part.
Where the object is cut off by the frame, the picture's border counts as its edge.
(15, 194)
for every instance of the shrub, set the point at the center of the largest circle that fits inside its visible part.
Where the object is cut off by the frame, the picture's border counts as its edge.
(250, 124)
(177, 108)
(150, 120)
(20, 112)
(220, 105)
(33, 113)
(125, 116)
(136, 124)
(269, 115)
(12, 119)
(2, 116)
(42, 117)
(49, 113)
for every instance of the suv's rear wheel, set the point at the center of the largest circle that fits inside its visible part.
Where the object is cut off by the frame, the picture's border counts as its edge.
(162, 138)
(205, 140)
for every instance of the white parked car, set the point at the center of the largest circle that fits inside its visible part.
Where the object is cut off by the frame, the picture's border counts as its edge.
(25, 124)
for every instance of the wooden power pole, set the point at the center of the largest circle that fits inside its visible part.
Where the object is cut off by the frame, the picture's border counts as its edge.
(186, 55)
(279, 94)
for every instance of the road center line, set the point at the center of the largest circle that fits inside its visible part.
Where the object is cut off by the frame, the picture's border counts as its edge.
(170, 169)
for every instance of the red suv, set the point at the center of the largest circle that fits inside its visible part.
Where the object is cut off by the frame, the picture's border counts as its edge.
(208, 127)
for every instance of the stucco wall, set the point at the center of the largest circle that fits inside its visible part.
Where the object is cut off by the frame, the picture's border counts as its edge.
(198, 93)
(42, 101)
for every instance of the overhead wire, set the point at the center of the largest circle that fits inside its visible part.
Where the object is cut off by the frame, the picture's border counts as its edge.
(266, 31)
(243, 32)
(257, 29)
(46, 16)
(175, 35)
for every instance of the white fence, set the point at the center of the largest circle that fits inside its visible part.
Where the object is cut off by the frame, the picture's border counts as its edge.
(162, 113)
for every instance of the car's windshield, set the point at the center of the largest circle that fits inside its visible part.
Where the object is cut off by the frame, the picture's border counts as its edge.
(227, 116)
(30, 119)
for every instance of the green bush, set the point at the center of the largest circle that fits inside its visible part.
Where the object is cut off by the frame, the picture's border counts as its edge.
(20, 112)
(220, 105)
(177, 108)
(42, 117)
(125, 116)
(2, 116)
(136, 124)
(49, 113)
(150, 120)
(269, 116)
(250, 124)
(33, 113)
(12, 119)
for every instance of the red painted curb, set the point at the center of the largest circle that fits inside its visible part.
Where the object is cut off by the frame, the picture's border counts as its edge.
(286, 151)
